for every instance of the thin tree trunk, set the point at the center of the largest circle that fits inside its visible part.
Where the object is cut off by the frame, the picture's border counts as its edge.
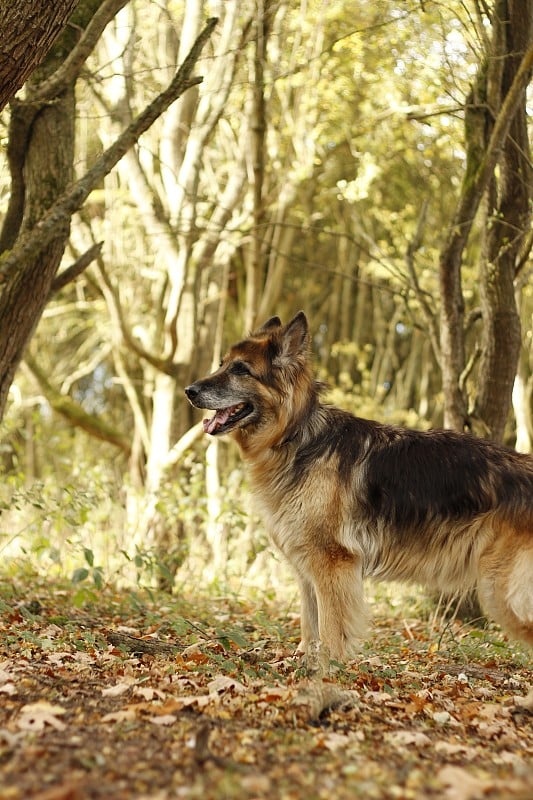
(254, 271)
(482, 158)
(508, 221)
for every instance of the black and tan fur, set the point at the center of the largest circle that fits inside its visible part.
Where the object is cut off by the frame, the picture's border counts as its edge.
(344, 498)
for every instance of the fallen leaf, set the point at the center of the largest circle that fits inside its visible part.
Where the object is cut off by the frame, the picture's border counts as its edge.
(273, 693)
(124, 715)
(443, 718)
(455, 749)
(406, 738)
(256, 784)
(164, 719)
(149, 693)
(222, 683)
(117, 690)
(490, 711)
(128, 629)
(336, 741)
(5, 675)
(58, 658)
(525, 702)
(36, 716)
(378, 697)
(199, 700)
(461, 784)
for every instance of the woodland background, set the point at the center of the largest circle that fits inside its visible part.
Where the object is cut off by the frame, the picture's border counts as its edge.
(172, 173)
(366, 162)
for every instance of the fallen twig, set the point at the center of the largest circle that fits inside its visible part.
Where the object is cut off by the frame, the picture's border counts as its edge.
(135, 645)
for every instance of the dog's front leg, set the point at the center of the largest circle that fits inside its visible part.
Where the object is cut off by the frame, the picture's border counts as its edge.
(342, 611)
(308, 614)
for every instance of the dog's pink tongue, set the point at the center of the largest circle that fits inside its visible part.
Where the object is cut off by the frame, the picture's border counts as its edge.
(210, 425)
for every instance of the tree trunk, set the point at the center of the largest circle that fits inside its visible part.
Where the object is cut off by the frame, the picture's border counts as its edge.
(508, 221)
(523, 385)
(41, 157)
(495, 135)
(254, 263)
(484, 154)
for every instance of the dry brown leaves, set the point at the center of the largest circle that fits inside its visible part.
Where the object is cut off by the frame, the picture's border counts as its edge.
(204, 717)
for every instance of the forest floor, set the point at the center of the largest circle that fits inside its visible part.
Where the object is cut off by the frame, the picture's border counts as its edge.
(125, 695)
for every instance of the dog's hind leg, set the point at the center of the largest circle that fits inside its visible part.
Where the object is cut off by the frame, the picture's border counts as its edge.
(506, 584)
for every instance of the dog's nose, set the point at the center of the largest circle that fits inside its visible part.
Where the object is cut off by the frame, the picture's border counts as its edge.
(191, 391)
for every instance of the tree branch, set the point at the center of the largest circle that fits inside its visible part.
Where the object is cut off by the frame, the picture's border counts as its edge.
(114, 305)
(20, 125)
(34, 241)
(73, 64)
(75, 269)
(74, 413)
(479, 171)
(472, 193)
(183, 444)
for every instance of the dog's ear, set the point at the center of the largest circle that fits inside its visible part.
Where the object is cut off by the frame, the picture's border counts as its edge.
(269, 326)
(295, 337)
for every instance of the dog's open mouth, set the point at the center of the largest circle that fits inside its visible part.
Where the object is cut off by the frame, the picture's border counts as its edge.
(226, 418)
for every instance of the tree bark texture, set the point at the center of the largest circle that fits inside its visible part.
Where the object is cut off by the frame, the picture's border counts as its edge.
(28, 29)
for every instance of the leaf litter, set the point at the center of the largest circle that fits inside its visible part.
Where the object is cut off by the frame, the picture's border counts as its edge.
(107, 701)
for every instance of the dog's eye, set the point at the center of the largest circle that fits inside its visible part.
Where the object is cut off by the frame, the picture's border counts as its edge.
(240, 368)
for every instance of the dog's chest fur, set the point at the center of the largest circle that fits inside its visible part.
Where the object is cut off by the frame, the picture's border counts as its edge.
(298, 511)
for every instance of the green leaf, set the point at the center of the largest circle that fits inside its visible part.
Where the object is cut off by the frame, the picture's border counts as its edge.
(80, 575)
(98, 577)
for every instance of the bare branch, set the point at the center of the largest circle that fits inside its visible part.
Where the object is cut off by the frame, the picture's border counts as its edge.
(472, 193)
(75, 414)
(73, 64)
(71, 273)
(114, 305)
(420, 294)
(183, 444)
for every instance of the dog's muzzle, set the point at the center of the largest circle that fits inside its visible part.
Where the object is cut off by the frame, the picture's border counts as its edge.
(226, 417)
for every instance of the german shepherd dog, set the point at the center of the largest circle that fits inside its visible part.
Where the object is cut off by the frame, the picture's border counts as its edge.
(344, 498)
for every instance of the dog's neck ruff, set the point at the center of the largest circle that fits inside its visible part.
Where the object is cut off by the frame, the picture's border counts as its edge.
(308, 419)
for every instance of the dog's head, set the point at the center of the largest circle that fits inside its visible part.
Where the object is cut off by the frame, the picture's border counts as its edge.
(257, 381)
